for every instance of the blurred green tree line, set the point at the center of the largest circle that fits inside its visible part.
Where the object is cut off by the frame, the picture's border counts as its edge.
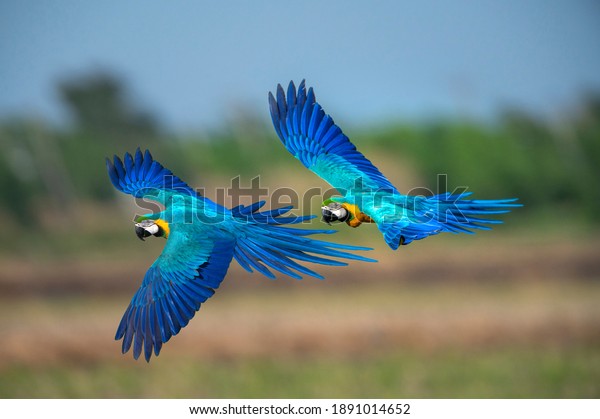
(552, 166)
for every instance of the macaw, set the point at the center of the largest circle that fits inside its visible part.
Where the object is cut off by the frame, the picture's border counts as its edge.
(367, 196)
(202, 239)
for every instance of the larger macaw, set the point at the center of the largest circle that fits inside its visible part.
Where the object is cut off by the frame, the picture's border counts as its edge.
(202, 238)
(312, 137)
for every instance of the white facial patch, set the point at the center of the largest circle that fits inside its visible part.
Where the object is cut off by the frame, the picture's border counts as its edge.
(151, 228)
(339, 212)
(336, 210)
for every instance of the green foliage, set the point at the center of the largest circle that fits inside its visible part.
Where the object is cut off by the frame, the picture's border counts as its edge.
(98, 103)
(20, 170)
(15, 195)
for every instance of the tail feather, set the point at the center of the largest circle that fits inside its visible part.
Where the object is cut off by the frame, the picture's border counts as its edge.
(266, 245)
(457, 214)
(300, 255)
(248, 260)
(283, 265)
(275, 261)
(423, 217)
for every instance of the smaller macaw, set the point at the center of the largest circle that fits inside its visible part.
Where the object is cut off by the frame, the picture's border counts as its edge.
(311, 136)
(202, 239)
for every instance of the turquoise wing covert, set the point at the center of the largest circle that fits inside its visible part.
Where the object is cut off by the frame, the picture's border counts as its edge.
(313, 138)
(183, 277)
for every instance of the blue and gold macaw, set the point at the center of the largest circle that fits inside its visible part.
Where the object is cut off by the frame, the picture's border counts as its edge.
(367, 196)
(202, 239)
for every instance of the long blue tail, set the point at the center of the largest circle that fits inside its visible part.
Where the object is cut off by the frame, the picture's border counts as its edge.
(443, 213)
(458, 215)
(266, 243)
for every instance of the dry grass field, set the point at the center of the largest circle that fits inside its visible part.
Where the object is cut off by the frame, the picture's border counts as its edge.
(486, 316)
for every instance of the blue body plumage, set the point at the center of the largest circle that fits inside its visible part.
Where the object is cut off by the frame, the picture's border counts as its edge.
(202, 239)
(311, 136)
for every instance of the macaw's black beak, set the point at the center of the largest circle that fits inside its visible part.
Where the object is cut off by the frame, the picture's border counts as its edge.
(328, 216)
(141, 233)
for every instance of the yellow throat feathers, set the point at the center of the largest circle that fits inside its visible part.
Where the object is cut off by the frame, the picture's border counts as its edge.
(358, 217)
(164, 226)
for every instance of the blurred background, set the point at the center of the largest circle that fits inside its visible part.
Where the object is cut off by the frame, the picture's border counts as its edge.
(502, 97)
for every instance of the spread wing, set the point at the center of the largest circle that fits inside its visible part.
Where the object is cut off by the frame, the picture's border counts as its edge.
(314, 139)
(184, 276)
(144, 177)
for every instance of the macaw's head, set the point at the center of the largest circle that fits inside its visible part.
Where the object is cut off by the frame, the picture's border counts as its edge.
(333, 211)
(147, 228)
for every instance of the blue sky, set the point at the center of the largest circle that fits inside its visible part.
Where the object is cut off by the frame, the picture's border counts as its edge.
(193, 63)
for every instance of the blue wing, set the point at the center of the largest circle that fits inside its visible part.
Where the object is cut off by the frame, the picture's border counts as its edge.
(192, 264)
(314, 139)
(144, 177)
(184, 276)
